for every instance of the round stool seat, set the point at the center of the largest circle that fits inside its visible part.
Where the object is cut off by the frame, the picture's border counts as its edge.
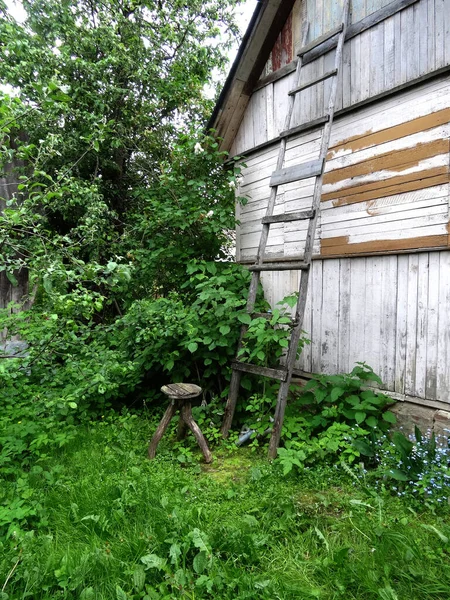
(180, 395)
(181, 391)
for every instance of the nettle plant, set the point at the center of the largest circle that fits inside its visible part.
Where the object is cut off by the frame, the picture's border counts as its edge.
(330, 414)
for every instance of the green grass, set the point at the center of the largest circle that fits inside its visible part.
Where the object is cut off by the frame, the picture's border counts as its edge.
(109, 524)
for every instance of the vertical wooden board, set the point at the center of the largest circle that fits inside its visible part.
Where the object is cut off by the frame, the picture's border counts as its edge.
(328, 65)
(358, 10)
(318, 23)
(413, 41)
(330, 316)
(439, 32)
(357, 311)
(374, 266)
(259, 114)
(422, 326)
(443, 370)
(447, 31)
(376, 80)
(344, 314)
(388, 321)
(355, 70)
(401, 324)
(421, 22)
(238, 236)
(411, 325)
(389, 53)
(431, 44)
(365, 64)
(398, 49)
(432, 326)
(269, 112)
(239, 142)
(305, 358)
(316, 320)
(247, 125)
(315, 110)
(405, 42)
(280, 101)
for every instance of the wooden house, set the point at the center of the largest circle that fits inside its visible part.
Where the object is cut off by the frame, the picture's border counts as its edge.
(379, 288)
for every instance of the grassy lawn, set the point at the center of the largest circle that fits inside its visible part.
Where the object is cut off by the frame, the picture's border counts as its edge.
(100, 521)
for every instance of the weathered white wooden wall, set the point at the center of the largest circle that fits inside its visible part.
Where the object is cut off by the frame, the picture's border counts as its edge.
(403, 47)
(386, 184)
(393, 312)
(386, 190)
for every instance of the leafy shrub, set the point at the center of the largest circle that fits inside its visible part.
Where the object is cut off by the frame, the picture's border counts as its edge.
(330, 415)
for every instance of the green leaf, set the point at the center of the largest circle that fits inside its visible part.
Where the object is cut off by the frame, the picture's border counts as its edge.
(435, 530)
(398, 475)
(336, 393)
(245, 318)
(363, 447)
(120, 594)
(87, 594)
(389, 417)
(192, 347)
(200, 562)
(360, 416)
(153, 561)
(372, 421)
(224, 329)
(139, 578)
(12, 279)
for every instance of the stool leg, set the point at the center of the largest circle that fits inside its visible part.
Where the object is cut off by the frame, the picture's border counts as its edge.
(164, 423)
(186, 415)
(181, 429)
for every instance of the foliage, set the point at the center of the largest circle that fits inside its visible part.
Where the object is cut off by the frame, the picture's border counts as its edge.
(111, 524)
(416, 466)
(119, 186)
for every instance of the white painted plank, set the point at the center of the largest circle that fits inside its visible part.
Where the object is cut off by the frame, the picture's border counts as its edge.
(439, 24)
(343, 323)
(422, 326)
(357, 311)
(432, 326)
(259, 108)
(270, 112)
(443, 364)
(376, 79)
(388, 321)
(431, 44)
(402, 324)
(317, 311)
(411, 325)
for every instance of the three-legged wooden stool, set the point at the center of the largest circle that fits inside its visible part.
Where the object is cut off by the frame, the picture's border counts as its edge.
(180, 395)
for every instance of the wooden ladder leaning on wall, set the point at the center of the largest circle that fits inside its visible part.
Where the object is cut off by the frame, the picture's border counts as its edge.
(281, 176)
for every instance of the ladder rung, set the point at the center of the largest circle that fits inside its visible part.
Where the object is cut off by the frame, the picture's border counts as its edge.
(280, 266)
(297, 172)
(288, 217)
(305, 126)
(315, 81)
(320, 40)
(280, 374)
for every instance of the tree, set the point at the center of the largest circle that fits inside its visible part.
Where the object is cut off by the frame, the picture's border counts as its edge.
(120, 188)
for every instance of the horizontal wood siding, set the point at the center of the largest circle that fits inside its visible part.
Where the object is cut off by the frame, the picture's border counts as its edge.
(403, 47)
(392, 312)
(386, 183)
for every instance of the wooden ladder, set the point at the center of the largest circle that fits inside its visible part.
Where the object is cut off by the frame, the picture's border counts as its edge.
(282, 175)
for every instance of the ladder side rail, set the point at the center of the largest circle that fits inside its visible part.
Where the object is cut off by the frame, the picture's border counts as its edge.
(326, 136)
(256, 275)
(309, 244)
